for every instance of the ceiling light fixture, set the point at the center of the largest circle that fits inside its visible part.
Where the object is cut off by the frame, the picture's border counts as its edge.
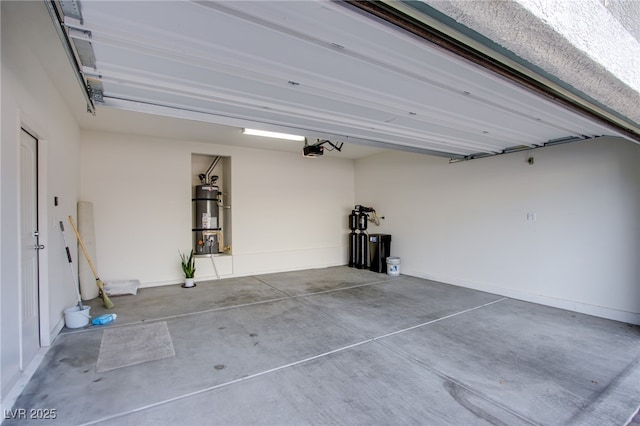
(276, 135)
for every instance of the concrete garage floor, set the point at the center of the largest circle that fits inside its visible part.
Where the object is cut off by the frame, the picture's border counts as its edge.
(345, 346)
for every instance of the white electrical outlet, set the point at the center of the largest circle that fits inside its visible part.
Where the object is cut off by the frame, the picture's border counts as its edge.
(531, 217)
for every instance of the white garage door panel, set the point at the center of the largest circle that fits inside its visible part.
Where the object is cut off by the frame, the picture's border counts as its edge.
(315, 66)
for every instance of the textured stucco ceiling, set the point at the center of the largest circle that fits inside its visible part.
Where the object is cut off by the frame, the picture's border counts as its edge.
(627, 12)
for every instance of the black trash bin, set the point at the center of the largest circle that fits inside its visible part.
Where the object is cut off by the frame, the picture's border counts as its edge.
(380, 249)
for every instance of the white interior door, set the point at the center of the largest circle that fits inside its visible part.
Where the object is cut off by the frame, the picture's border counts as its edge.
(30, 246)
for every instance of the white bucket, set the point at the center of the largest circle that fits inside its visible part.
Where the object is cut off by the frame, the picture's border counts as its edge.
(393, 266)
(76, 318)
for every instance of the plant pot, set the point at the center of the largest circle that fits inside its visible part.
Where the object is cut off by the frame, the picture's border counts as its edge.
(189, 282)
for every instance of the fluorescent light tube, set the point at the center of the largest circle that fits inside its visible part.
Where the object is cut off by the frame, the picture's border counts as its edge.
(264, 133)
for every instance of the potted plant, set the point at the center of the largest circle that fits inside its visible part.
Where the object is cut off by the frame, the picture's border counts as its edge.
(188, 264)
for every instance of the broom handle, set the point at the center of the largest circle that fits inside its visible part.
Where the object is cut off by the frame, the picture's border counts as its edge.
(84, 249)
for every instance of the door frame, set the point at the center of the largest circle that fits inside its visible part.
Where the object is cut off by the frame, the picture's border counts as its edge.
(43, 256)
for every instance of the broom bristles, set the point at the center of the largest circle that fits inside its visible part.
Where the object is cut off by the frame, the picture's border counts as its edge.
(105, 299)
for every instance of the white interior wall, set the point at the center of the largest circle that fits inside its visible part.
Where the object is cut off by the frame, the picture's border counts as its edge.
(288, 212)
(466, 223)
(29, 98)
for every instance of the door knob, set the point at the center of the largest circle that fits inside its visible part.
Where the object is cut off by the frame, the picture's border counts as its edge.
(39, 247)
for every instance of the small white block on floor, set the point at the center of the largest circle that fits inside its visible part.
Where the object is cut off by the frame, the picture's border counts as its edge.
(125, 346)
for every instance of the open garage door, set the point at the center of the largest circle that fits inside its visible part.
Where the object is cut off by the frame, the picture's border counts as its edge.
(320, 69)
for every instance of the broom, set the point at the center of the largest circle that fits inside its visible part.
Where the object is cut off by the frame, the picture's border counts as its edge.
(73, 272)
(105, 299)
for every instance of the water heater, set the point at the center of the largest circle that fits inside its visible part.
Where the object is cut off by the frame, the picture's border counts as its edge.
(206, 219)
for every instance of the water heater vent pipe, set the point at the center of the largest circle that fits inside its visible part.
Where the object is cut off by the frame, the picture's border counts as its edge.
(215, 162)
